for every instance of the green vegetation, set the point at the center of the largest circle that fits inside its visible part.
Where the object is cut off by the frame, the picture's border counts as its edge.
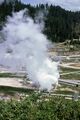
(36, 107)
(65, 92)
(67, 70)
(75, 76)
(12, 90)
(11, 75)
(7, 75)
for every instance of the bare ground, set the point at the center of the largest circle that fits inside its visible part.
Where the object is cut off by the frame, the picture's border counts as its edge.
(15, 82)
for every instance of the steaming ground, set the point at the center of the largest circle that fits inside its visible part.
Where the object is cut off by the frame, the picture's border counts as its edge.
(26, 46)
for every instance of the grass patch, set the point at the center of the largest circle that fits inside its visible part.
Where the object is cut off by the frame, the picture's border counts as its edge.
(71, 76)
(66, 70)
(10, 75)
(13, 90)
(67, 89)
(65, 92)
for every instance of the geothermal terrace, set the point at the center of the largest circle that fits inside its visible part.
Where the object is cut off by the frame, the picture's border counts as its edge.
(69, 81)
(19, 82)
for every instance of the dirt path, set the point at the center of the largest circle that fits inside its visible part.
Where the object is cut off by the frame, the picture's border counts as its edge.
(69, 65)
(15, 82)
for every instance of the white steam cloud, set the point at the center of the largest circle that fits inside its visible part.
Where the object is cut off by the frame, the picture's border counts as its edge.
(27, 46)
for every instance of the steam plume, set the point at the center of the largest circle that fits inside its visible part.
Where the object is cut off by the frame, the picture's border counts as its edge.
(26, 44)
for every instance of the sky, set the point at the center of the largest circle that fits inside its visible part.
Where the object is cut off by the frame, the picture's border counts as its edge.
(73, 5)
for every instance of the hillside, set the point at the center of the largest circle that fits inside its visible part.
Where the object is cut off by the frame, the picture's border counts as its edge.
(60, 24)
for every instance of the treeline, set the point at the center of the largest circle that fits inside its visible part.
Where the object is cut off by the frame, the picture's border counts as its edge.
(60, 24)
(36, 107)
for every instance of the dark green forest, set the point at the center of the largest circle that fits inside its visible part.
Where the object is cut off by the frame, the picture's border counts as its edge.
(60, 24)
